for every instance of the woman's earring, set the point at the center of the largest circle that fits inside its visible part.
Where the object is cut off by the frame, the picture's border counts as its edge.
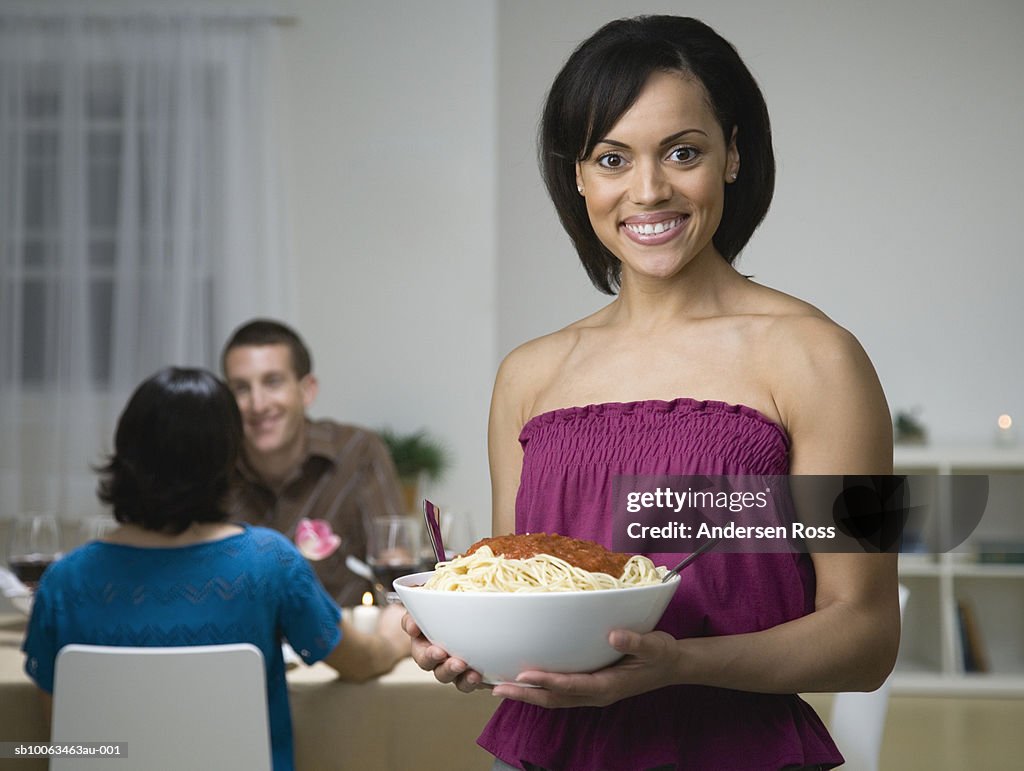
(732, 177)
(579, 189)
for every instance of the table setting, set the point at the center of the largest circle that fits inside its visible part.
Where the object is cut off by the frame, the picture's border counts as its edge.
(336, 725)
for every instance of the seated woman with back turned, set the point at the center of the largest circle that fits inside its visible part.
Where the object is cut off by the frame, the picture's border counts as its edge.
(177, 573)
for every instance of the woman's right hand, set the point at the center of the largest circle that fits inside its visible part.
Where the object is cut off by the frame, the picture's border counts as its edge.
(433, 658)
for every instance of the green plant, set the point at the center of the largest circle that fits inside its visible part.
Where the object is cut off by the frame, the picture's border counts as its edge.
(908, 428)
(417, 453)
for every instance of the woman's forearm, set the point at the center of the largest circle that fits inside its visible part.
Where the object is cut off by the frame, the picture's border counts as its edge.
(841, 647)
(359, 657)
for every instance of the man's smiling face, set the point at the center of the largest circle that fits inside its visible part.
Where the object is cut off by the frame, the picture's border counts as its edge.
(271, 398)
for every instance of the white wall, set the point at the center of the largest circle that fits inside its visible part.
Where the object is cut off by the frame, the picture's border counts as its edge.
(897, 128)
(390, 144)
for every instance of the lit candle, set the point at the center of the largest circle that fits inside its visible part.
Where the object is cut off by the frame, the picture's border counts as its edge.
(364, 617)
(1006, 432)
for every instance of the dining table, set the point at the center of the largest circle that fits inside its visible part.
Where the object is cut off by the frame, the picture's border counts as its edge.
(402, 720)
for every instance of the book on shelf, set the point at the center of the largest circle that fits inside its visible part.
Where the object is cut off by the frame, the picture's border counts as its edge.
(1001, 552)
(975, 658)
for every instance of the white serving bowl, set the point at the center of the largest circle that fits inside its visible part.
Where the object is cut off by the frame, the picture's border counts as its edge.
(502, 634)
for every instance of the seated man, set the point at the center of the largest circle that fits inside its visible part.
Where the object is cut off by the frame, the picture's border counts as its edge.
(293, 467)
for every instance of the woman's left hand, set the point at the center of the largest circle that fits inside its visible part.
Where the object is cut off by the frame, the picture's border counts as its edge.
(649, 663)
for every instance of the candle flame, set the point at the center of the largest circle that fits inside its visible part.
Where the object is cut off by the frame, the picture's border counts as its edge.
(1004, 422)
(367, 599)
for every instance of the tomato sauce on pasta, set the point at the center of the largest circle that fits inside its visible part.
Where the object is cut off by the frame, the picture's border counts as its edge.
(542, 562)
(586, 555)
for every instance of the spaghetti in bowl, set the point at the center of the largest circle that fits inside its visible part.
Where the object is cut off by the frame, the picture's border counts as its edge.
(503, 627)
(539, 562)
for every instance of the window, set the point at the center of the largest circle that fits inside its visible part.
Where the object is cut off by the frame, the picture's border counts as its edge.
(139, 221)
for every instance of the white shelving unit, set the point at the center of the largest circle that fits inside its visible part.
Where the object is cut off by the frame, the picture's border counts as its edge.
(931, 659)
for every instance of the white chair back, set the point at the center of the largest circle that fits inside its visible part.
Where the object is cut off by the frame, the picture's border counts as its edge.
(198, 707)
(858, 719)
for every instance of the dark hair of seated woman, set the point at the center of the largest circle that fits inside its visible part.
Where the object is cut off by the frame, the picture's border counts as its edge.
(174, 449)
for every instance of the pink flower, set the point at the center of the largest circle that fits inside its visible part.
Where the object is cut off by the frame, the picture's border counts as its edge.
(315, 539)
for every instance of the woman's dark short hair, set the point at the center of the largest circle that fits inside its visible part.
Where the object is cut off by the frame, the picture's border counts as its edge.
(260, 332)
(603, 78)
(174, 450)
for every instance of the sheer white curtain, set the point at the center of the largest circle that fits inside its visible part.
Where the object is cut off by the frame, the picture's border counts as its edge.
(140, 221)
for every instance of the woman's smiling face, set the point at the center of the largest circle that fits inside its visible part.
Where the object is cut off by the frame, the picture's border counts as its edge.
(655, 184)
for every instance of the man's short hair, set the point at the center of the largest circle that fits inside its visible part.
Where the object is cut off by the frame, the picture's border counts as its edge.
(269, 332)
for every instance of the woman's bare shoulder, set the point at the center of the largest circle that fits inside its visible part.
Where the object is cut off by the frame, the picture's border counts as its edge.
(789, 325)
(760, 300)
(800, 332)
(532, 366)
(803, 354)
(820, 377)
(529, 366)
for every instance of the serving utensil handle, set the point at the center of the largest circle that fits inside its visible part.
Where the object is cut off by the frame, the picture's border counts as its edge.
(690, 558)
(432, 516)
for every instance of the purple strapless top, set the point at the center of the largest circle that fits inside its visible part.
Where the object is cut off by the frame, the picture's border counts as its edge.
(570, 458)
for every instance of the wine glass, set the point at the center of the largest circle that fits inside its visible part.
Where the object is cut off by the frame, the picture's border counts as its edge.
(395, 549)
(458, 532)
(33, 547)
(95, 528)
